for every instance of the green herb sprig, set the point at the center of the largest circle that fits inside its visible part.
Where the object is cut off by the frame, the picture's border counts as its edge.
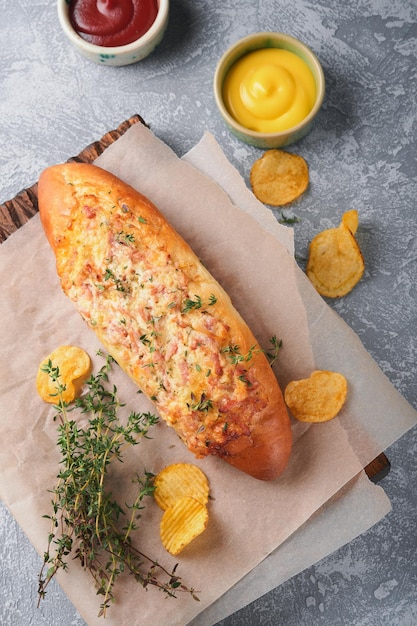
(125, 238)
(86, 521)
(235, 356)
(119, 284)
(197, 303)
(204, 404)
(288, 220)
(276, 345)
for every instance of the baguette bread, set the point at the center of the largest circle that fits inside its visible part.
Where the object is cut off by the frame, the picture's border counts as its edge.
(166, 321)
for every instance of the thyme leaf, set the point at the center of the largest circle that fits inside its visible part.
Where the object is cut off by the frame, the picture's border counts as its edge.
(119, 284)
(235, 355)
(276, 347)
(197, 303)
(204, 404)
(288, 220)
(190, 304)
(125, 238)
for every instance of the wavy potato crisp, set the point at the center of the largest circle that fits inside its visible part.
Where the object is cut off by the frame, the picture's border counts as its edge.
(74, 368)
(178, 480)
(279, 177)
(335, 263)
(318, 398)
(182, 522)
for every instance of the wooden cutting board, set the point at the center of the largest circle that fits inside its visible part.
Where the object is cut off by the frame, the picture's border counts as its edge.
(16, 212)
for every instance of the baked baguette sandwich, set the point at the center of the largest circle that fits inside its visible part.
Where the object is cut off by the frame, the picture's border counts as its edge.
(166, 321)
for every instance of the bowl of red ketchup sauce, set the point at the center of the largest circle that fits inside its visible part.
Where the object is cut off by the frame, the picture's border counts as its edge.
(268, 88)
(114, 32)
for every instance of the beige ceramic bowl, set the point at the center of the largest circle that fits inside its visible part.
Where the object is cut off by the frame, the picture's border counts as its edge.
(255, 42)
(117, 55)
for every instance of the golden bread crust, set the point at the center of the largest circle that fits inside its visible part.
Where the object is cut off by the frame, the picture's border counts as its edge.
(164, 318)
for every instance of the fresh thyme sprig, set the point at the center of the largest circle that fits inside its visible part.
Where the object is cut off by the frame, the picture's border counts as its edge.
(197, 303)
(204, 404)
(119, 284)
(289, 220)
(276, 345)
(235, 356)
(86, 521)
(125, 238)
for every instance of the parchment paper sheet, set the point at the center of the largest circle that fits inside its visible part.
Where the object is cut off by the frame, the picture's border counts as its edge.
(38, 317)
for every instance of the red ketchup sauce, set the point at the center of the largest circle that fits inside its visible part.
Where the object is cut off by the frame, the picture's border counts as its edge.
(112, 22)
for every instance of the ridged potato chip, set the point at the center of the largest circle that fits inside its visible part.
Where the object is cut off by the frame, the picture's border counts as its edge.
(351, 220)
(318, 398)
(335, 263)
(178, 480)
(279, 177)
(182, 522)
(74, 368)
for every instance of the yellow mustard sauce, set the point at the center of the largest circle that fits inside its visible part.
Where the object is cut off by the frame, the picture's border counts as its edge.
(269, 90)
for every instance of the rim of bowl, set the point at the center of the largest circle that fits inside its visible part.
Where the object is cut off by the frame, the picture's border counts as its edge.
(227, 60)
(161, 17)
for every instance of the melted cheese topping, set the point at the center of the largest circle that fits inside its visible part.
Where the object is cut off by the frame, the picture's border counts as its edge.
(150, 312)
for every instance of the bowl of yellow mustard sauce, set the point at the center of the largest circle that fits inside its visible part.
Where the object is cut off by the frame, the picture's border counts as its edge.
(269, 88)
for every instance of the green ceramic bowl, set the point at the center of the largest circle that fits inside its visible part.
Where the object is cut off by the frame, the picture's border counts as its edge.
(255, 42)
